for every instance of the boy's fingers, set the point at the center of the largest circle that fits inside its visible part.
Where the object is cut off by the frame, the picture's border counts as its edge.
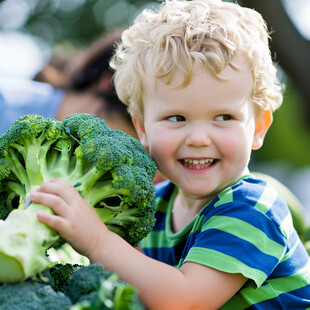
(51, 201)
(59, 188)
(52, 221)
(61, 182)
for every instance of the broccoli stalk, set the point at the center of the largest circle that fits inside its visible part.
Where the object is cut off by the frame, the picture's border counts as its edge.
(22, 253)
(110, 170)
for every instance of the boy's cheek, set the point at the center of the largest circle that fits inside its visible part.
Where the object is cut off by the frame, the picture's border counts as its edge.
(160, 148)
(230, 145)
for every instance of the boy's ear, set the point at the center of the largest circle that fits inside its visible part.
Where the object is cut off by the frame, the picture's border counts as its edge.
(263, 122)
(140, 131)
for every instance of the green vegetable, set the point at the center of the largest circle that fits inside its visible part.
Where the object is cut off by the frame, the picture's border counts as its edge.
(110, 169)
(71, 287)
(65, 254)
(30, 295)
(92, 287)
(59, 275)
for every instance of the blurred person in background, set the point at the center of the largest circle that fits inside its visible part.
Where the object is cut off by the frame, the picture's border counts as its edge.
(83, 86)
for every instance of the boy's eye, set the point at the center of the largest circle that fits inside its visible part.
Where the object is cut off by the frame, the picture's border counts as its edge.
(224, 117)
(176, 118)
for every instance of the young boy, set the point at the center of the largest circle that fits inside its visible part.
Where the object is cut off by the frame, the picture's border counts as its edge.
(201, 87)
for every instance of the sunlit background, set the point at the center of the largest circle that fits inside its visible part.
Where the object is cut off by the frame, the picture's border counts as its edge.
(34, 31)
(29, 29)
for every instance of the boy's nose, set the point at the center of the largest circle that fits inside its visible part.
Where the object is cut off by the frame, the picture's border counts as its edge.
(198, 136)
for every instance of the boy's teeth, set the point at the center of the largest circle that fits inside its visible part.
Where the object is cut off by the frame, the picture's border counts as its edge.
(198, 161)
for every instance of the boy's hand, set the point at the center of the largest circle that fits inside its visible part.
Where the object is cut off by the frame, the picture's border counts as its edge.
(73, 219)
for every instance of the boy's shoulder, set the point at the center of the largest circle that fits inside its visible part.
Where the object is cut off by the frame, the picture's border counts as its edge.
(255, 197)
(164, 189)
(165, 193)
(249, 194)
(249, 190)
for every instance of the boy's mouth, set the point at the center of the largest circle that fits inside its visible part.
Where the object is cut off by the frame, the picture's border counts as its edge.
(202, 163)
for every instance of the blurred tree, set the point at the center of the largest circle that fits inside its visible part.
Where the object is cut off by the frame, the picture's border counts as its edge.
(78, 22)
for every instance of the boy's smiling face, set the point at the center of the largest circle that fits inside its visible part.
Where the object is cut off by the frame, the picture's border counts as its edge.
(201, 136)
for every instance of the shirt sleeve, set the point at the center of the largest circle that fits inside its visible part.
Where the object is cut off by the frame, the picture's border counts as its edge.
(239, 239)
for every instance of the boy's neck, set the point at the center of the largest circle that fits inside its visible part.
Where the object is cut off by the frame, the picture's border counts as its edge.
(185, 208)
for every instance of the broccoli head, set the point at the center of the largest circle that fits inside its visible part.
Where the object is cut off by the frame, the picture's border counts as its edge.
(93, 287)
(59, 275)
(33, 296)
(86, 280)
(110, 169)
(71, 287)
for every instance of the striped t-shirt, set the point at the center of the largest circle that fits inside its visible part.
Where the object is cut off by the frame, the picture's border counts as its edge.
(246, 229)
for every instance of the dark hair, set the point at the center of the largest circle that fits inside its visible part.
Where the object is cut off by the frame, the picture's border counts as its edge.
(85, 71)
(90, 67)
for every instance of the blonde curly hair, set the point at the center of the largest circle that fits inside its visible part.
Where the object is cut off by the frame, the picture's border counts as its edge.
(191, 35)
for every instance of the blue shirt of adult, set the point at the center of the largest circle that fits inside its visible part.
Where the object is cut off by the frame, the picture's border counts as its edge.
(20, 97)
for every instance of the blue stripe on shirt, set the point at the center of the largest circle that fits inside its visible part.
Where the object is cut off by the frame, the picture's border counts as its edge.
(292, 300)
(215, 239)
(251, 216)
(291, 265)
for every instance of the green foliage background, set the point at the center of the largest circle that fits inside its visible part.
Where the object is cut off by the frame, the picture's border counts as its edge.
(288, 139)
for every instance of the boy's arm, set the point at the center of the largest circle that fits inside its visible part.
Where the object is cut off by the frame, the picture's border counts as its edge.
(160, 286)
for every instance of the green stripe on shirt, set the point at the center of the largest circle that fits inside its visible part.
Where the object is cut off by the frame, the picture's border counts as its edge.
(246, 232)
(250, 295)
(214, 259)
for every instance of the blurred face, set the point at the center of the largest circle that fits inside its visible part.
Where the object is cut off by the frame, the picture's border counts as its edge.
(115, 120)
(201, 136)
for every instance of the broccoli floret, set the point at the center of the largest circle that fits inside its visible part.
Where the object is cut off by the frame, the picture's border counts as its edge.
(110, 169)
(86, 280)
(59, 275)
(93, 287)
(71, 287)
(30, 295)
